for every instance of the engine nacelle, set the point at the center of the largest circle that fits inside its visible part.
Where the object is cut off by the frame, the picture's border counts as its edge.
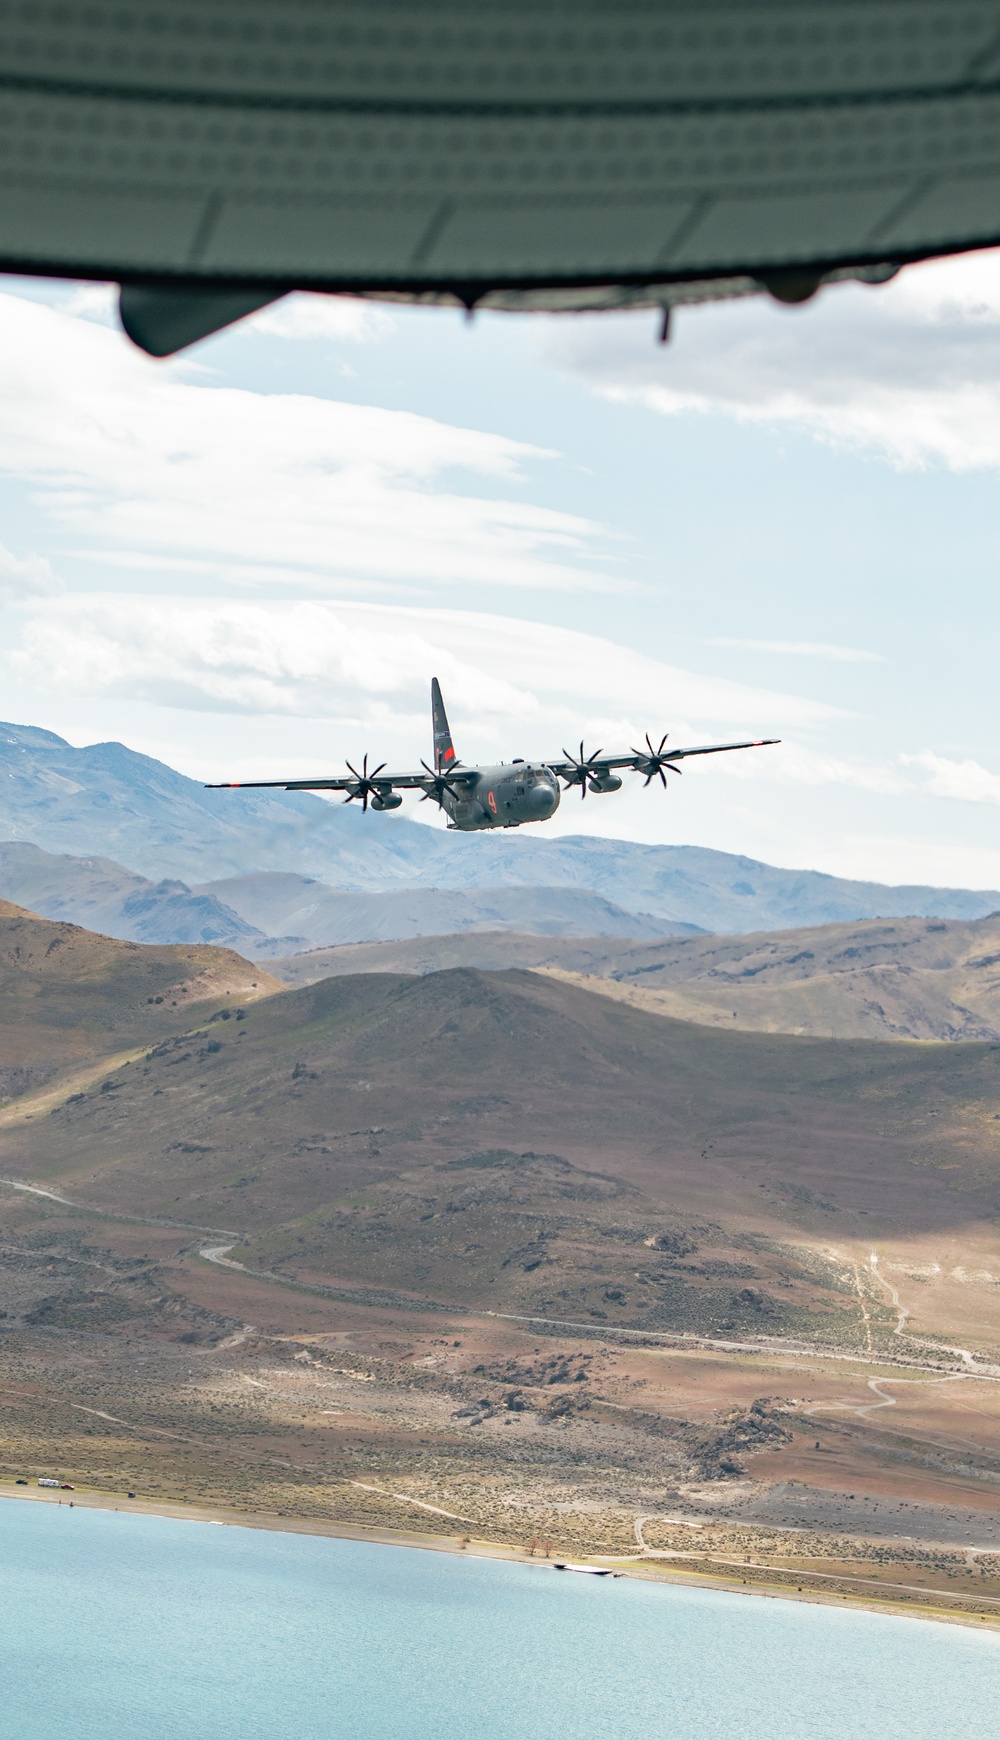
(604, 782)
(389, 800)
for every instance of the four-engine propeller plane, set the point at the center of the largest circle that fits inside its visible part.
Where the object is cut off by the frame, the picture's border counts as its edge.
(504, 796)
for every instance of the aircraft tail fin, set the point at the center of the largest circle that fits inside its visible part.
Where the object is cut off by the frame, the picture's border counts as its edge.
(444, 749)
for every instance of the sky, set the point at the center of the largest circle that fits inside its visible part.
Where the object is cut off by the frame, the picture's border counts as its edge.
(250, 560)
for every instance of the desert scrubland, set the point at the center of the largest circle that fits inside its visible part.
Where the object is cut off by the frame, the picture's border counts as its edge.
(487, 1255)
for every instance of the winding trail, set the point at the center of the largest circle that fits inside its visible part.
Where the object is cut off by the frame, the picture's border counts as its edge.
(769, 1345)
(903, 1315)
(766, 1345)
(648, 1552)
(387, 1299)
(116, 1214)
(901, 1311)
(972, 1369)
(864, 1410)
(417, 1503)
(870, 1585)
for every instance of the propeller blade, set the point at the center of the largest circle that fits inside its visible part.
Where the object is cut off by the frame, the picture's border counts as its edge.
(581, 768)
(439, 785)
(365, 786)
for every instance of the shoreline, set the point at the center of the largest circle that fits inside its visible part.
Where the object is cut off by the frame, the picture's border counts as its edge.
(650, 1570)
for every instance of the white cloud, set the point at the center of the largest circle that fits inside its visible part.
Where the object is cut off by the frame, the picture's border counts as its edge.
(965, 780)
(96, 302)
(910, 369)
(24, 577)
(136, 458)
(793, 762)
(848, 655)
(305, 316)
(513, 687)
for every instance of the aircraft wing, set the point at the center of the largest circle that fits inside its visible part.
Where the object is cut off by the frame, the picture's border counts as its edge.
(641, 759)
(348, 782)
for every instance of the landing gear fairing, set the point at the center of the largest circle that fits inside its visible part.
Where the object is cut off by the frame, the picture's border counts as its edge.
(503, 796)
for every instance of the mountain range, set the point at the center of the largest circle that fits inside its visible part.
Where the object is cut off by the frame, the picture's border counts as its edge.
(271, 912)
(110, 805)
(280, 904)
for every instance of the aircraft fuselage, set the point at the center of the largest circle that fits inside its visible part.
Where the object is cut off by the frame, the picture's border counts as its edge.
(502, 797)
(506, 795)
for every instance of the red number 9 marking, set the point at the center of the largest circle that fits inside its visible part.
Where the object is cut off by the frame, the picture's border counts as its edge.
(491, 800)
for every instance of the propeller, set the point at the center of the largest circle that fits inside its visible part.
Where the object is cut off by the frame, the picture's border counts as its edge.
(581, 769)
(439, 785)
(366, 784)
(654, 763)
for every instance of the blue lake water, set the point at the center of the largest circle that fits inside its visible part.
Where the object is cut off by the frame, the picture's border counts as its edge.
(114, 1625)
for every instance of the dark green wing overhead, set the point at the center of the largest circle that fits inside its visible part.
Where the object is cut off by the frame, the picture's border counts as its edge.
(561, 154)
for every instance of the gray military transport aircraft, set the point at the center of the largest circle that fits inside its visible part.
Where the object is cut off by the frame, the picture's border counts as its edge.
(503, 796)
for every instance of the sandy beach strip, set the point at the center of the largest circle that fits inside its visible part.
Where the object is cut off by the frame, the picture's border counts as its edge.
(935, 1607)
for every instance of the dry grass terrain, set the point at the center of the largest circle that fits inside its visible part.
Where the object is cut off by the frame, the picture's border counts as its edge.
(904, 978)
(491, 1256)
(71, 997)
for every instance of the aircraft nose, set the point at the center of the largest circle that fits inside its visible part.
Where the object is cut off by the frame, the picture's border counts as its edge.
(541, 800)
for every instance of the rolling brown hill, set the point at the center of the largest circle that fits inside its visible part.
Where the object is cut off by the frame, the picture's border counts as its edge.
(71, 997)
(455, 1198)
(905, 978)
(512, 1141)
